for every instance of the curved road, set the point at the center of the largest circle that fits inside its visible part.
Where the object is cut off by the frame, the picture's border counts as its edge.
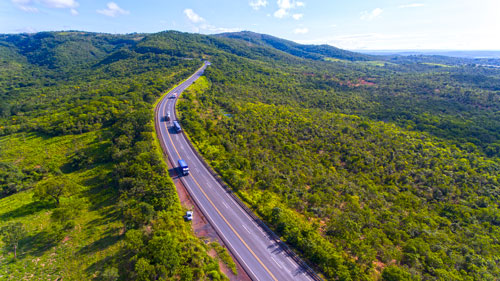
(258, 253)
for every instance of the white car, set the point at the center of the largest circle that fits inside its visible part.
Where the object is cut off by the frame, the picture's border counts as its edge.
(173, 96)
(189, 215)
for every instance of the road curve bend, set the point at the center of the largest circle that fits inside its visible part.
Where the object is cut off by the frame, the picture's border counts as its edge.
(260, 253)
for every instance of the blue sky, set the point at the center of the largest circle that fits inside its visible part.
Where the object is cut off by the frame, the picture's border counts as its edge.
(348, 24)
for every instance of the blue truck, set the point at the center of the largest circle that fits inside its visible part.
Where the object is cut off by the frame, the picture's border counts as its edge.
(183, 167)
(177, 127)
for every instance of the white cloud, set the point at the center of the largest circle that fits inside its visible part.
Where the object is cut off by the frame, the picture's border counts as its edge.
(213, 29)
(74, 12)
(21, 2)
(373, 41)
(301, 30)
(297, 16)
(413, 5)
(365, 15)
(257, 4)
(280, 13)
(29, 9)
(25, 5)
(113, 10)
(29, 5)
(199, 24)
(60, 3)
(192, 16)
(284, 7)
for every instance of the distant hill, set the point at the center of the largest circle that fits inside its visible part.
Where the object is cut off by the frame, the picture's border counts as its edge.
(456, 54)
(62, 49)
(315, 52)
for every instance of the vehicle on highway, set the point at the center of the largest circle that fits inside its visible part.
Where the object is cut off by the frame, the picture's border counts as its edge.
(189, 215)
(173, 96)
(183, 167)
(167, 117)
(177, 127)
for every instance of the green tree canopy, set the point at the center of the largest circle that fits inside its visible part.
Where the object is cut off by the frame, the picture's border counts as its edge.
(12, 233)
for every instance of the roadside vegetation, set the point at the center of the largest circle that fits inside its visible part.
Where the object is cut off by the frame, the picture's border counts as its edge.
(369, 172)
(84, 192)
(371, 168)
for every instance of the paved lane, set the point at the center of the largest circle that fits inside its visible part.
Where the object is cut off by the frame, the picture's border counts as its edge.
(257, 252)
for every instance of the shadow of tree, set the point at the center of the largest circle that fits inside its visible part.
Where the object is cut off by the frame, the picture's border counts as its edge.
(103, 193)
(38, 243)
(122, 258)
(102, 243)
(26, 210)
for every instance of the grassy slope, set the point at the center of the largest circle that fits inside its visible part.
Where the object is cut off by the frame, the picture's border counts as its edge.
(84, 250)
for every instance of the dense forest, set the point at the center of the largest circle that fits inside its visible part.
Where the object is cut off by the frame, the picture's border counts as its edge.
(83, 184)
(370, 167)
(382, 169)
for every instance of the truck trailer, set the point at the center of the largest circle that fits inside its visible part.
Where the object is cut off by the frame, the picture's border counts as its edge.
(177, 127)
(183, 167)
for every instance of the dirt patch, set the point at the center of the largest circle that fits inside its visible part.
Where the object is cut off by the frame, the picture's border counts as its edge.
(66, 239)
(360, 82)
(203, 230)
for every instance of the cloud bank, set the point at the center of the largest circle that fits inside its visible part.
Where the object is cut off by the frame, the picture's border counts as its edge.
(257, 4)
(368, 16)
(284, 7)
(30, 5)
(113, 10)
(192, 16)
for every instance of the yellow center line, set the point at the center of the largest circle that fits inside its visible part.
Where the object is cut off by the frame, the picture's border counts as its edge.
(213, 205)
(234, 230)
(168, 133)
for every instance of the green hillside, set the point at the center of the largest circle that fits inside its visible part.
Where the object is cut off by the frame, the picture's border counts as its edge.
(371, 168)
(82, 181)
(315, 52)
(369, 171)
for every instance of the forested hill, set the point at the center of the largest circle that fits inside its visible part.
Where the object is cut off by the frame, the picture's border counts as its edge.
(370, 167)
(315, 52)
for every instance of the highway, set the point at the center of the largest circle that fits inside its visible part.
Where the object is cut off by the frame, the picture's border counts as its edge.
(260, 254)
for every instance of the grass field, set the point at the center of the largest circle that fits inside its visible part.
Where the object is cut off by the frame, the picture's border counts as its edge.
(47, 252)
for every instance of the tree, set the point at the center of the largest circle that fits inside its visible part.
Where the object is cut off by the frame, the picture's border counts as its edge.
(144, 270)
(53, 188)
(394, 273)
(12, 233)
(110, 274)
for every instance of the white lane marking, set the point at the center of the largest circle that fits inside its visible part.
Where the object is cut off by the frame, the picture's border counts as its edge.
(204, 171)
(243, 212)
(219, 230)
(225, 204)
(221, 233)
(279, 265)
(245, 227)
(291, 261)
(218, 195)
(261, 230)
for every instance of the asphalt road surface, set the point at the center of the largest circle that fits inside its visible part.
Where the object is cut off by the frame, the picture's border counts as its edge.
(256, 251)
